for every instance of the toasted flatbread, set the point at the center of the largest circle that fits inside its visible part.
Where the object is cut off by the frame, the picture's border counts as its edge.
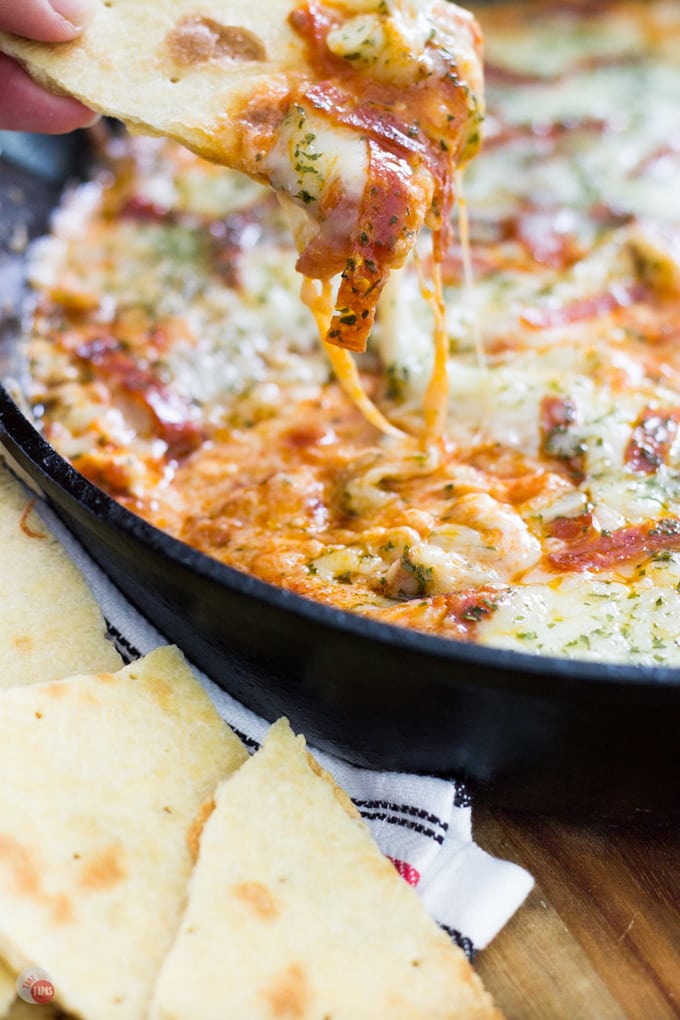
(25, 1011)
(356, 114)
(293, 912)
(107, 782)
(7, 989)
(50, 623)
(137, 62)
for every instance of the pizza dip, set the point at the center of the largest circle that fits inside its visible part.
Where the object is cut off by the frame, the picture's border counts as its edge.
(174, 364)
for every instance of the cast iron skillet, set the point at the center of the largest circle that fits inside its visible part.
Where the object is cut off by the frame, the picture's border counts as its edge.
(538, 733)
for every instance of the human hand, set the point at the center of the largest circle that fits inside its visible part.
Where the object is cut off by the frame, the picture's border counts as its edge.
(24, 106)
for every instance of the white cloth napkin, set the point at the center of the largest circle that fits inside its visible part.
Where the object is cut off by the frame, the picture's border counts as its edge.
(423, 824)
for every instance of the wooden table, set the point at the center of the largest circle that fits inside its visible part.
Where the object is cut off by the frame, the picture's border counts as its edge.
(599, 936)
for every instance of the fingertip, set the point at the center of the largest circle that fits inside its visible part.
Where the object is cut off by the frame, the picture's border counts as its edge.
(29, 108)
(77, 13)
(46, 20)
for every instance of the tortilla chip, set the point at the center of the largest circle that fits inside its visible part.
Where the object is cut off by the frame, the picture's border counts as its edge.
(106, 779)
(293, 912)
(50, 624)
(152, 65)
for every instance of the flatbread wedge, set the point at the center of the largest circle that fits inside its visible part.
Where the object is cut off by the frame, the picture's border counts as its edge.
(50, 623)
(107, 781)
(294, 913)
(356, 113)
(7, 989)
(27, 1011)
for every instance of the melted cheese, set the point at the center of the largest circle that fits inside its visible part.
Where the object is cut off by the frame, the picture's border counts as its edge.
(365, 155)
(587, 618)
(320, 305)
(389, 106)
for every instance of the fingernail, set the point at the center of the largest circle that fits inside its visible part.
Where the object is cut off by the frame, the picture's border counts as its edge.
(77, 12)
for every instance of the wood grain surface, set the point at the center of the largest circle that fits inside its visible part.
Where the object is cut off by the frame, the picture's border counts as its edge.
(599, 936)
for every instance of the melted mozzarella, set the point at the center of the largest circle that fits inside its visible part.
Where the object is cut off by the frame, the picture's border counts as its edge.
(585, 618)
(312, 155)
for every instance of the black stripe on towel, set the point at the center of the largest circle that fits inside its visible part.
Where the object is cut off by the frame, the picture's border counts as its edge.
(402, 809)
(406, 823)
(125, 648)
(462, 796)
(250, 742)
(461, 940)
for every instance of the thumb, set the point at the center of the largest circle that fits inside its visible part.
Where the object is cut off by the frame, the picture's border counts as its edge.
(45, 20)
